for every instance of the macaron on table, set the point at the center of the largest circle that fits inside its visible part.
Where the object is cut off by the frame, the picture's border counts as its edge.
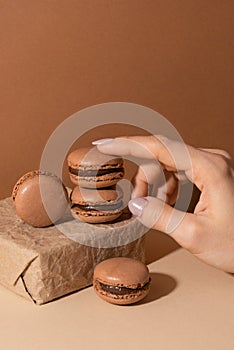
(121, 281)
(189, 306)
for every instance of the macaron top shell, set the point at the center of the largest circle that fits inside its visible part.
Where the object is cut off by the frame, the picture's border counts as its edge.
(90, 158)
(84, 196)
(122, 271)
(40, 198)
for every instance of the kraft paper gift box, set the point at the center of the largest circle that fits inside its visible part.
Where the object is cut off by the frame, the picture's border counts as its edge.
(42, 264)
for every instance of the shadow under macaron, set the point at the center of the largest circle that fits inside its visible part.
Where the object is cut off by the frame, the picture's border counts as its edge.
(161, 286)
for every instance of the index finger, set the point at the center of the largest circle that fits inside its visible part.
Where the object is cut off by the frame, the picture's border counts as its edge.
(173, 155)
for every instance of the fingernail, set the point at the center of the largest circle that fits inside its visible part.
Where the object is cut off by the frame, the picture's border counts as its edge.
(137, 205)
(102, 141)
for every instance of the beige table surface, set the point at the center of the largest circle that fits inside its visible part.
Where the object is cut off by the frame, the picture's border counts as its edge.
(191, 306)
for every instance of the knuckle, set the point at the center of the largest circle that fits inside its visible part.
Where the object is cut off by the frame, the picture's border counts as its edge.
(192, 236)
(225, 154)
(127, 137)
(152, 139)
(222, 164)
(218, 164)
(160, 137)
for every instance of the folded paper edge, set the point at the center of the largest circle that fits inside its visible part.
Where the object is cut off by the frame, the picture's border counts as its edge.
(24, 270)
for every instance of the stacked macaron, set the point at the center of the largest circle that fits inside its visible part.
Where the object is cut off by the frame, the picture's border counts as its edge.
(96, 198)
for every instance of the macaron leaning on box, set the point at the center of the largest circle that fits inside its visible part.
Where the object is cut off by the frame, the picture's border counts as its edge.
(40, 198)
(90, 168)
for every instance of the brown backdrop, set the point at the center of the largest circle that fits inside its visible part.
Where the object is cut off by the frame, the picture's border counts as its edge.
(57, 57)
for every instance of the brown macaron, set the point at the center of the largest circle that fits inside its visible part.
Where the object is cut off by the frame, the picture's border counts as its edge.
(40, 198)
(97, 206)
(90, 168)
(121, 280)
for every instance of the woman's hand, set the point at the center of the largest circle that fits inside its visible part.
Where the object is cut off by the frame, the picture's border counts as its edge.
(208, 233)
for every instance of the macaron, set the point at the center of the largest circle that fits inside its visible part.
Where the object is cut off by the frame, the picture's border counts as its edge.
(121, 280)
(40, 198)
(97, 206)
(90, 168)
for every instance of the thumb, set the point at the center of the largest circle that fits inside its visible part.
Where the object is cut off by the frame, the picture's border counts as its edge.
(156, 214)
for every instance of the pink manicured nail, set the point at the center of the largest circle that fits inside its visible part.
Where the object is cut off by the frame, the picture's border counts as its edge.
(102, 141)
(137, 205)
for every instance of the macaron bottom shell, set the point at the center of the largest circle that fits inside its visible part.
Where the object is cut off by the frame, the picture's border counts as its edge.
(95, 217)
